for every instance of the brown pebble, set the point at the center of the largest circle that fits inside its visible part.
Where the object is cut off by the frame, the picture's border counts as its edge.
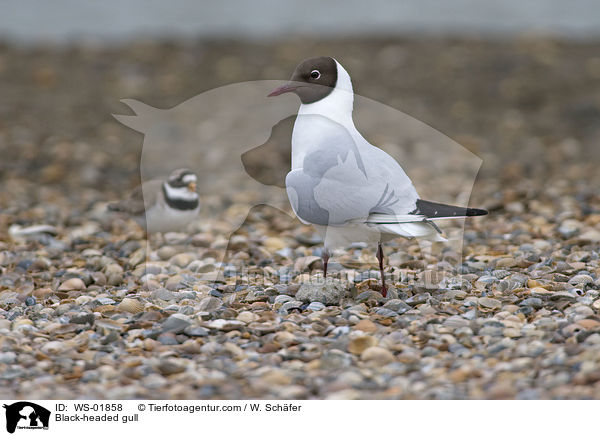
(366, 326)
(589, 324)
(72, 284)
(361, 343)
(377, 356)
(269, 347)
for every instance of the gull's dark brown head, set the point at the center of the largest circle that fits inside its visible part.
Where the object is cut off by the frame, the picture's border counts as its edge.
(313, 80)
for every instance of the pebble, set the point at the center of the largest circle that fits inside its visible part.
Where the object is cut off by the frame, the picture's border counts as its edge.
(581, 279)
(234, 350)
(8, 357)
(176, 323)
(163, 294)
(534, 302)
(247, 317)
(281, 299)
(196, 331)
(83, 318)
(334, 360)
(506, 262)
(169, 367)
(209, 304)
(284, 338)
(315, 306)
(182, 259)
(366, 325)
(225, 324)
(73, 284)
(360, 343)
(369, 295)
(174, 283)
(418, 299)
(386, 312)
(53, 347)
(569, 228)
(377, 356)
(489, 303)
(328, 292)
(291, 305)
(397, 306)
(167, 339)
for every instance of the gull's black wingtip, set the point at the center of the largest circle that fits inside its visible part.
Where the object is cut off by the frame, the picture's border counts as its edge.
(471, 211)
(435, 210)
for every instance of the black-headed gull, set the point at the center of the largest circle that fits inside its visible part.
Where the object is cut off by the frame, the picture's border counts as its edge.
(349, 189)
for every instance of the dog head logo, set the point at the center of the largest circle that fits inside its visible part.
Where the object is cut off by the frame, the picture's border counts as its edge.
(219, 133)
(26, 415)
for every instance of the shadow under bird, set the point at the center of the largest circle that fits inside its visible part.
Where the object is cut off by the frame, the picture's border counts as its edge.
(349, 189)
(163, 205)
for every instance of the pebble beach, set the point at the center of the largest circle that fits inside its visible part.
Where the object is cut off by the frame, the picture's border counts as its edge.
(91, 309)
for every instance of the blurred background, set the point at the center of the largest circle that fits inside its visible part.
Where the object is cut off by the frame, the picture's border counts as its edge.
(517, 83)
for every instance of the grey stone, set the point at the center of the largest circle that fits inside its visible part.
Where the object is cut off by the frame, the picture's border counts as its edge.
(209, 304)
(163, 294)
(195, 331)
(328, 292)
(335, 360)
(368, 295)
(397, 306)
(83, 318)
(8, 357)
(167, 339)
(294, 304)
(315, 306)
(282, 299)
(105, 301)
(386, 312)
(176, 323)
(534, 302)
(415, 300)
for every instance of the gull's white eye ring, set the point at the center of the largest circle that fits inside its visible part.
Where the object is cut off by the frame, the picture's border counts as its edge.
(315, 74)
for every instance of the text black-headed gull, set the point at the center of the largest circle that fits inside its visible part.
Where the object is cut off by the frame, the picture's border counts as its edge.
(349, 189)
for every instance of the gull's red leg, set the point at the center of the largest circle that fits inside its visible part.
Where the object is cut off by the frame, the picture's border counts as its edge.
(325, 257)
(380, 259)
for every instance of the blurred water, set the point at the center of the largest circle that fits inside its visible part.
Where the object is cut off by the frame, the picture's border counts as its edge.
(116, 20)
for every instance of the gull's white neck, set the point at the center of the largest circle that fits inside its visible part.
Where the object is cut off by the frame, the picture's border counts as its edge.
(338, 105)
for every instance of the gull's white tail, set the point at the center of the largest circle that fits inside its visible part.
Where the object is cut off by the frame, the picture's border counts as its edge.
(407, 226)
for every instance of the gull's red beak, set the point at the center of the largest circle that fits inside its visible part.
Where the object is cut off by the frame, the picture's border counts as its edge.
(288, 87)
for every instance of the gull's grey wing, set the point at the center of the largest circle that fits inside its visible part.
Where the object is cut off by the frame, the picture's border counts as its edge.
(340, 182)
(345, 191)
(399, 195)
(300, 189)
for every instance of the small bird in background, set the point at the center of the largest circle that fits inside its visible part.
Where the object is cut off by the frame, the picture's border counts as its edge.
(349, 189)
(163, 205)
